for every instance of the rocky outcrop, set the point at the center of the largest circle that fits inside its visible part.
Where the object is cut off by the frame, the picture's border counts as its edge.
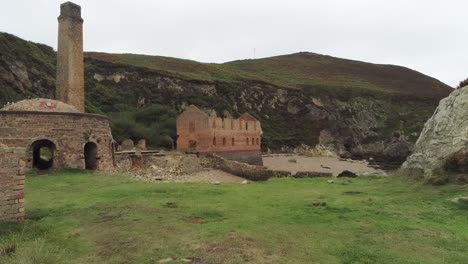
(440, 148)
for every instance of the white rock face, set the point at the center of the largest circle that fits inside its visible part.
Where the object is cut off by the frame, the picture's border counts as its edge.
(445, 133)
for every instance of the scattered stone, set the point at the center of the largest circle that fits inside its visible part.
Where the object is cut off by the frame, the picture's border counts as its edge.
(216, 183)
(166, 260)
(461, 201)
(170, 205)
(331, 181)
(319, 204)
(245, 182)
(438, 181)
(186, 260)
(292, 160)
(347, 173)
(312, 174)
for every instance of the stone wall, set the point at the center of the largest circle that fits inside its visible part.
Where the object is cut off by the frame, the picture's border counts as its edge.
(244, 170)
(249, 157)
(67, 132)
(11, 184)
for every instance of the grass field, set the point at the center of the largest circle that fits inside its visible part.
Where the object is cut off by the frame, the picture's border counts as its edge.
(76, 217)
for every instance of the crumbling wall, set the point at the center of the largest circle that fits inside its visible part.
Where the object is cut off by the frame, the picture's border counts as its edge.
(11, 184)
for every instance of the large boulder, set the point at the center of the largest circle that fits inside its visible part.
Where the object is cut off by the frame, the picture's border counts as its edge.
(443, 139)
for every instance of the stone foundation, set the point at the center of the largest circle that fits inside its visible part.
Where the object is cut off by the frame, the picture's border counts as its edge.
(11, 184)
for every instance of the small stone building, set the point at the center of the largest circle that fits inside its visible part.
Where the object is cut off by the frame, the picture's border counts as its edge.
(57, 135)
(235, 139)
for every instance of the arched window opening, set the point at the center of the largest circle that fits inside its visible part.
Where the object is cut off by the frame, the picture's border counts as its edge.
(246, 125)
(247, 141)
(232, 124)
(232, 141)
(223, 125)
(43, 154)
(91, 156)
(214, 141)
(191, 127)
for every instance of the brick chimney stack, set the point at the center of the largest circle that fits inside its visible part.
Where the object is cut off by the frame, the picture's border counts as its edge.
(70, 63)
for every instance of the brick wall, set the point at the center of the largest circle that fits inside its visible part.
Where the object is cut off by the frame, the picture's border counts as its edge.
(69, 132)
(237, 139)
(70, 63)
(11, 184)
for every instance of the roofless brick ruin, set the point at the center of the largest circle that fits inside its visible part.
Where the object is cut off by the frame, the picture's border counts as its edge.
(235, 139)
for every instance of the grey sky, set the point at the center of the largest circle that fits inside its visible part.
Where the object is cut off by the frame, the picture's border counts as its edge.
(429, 36)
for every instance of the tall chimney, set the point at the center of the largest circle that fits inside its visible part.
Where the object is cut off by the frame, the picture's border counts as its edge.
(70, 65)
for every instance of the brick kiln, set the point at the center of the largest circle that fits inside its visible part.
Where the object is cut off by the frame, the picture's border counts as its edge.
(58, 134)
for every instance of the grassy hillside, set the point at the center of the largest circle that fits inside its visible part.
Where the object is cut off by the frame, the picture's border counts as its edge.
(91, 218)
(296, 96)
(299, 70)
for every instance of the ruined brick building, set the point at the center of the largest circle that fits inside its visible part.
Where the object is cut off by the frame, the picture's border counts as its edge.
(236, 139)
(58, 134)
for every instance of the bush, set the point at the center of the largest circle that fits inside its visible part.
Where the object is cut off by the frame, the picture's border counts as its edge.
(463, 83)
(155, 123)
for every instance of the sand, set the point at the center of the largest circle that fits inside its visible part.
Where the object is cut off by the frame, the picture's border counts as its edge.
(318, 164)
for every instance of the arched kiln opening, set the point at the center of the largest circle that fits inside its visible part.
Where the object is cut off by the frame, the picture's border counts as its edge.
(91, 156)
(43, 154)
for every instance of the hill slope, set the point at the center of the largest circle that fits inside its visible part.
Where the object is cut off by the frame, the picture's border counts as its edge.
(299, 71)
(303, 98)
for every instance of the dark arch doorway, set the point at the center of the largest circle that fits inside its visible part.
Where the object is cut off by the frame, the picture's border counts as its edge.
(43, 154)
(91, 156)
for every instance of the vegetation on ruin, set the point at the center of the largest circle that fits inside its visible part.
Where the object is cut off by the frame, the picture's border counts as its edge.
(155, 123)
(77, 217)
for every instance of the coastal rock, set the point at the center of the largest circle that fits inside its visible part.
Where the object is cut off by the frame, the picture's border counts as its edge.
(443, 138)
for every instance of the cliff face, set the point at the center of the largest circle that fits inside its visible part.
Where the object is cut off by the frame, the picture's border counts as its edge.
(351, 114)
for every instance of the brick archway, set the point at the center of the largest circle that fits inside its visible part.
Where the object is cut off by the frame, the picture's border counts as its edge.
(91, 155)
(42, 154)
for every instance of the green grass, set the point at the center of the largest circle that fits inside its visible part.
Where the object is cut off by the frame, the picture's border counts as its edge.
(77, 217)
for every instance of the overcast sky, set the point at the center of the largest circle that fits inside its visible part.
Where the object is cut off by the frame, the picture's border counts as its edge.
(430, 36)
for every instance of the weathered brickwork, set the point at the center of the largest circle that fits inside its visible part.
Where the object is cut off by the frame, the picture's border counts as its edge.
(237, 139)
(69, 135)
(11, 184)
(70, 63)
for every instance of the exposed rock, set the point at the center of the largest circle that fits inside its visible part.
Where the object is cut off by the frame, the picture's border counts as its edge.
(398, 149)
(443, 139)
(347, 173)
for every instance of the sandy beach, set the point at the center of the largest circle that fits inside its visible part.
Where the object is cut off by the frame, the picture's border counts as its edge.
(295, 163)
